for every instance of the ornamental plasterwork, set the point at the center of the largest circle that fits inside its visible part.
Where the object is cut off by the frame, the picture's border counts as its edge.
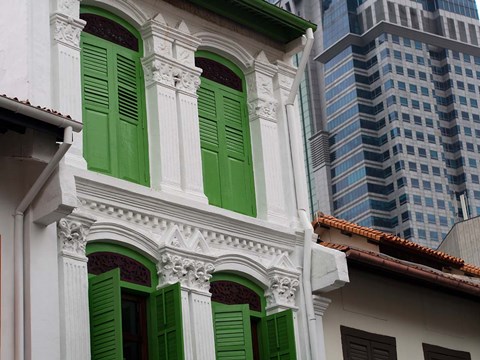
(282, 291)
(73, 237)
(158, 71)
(186, 81)
(190, 273)
(66, 30)
(263, 108)
(161, 227)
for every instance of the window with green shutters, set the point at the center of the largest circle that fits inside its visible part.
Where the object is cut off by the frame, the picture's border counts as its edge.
(242, 329)
(225, 135)
(115, 137)
(129, 318)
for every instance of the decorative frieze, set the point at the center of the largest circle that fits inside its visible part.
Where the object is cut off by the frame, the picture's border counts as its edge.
(282, 291)
(188, 233)
(187, 81)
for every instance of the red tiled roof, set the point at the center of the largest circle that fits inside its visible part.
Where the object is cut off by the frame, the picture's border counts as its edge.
(343, 225)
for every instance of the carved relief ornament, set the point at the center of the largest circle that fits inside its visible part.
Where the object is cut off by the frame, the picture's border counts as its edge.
(282, 291)
(158, 71)
(73, 237)
(190, 273)
(67, 30)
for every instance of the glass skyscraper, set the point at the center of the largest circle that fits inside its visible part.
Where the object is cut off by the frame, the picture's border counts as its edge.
(394, 113)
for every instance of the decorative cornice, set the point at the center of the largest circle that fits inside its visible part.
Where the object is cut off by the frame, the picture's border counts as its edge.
(191, 273)
(258, 242)
(282, 291)
(66, 30)
(72, 234)
(320, 304)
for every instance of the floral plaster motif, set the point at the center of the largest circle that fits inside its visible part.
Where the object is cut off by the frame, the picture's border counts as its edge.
(67, 32)
(282, 291)
(73, 236)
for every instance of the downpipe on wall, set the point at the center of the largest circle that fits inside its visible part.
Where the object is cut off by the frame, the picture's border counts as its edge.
(19, 274)
(301, 194)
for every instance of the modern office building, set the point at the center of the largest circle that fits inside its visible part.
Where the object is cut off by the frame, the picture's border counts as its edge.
(394, 113)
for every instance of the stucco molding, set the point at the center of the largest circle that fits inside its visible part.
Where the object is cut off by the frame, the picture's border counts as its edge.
(66, 30)
(72, 234)
(223, 45)
(232, 236)
(282, 291)
(190, 270)
(320, 304)
(124, 8)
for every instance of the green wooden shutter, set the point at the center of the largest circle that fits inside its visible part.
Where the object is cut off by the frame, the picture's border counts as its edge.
(233, 339)
(226, 149)
(280, 336)
(210, 144)
(115, 141)
(166, 315)
(106, 316)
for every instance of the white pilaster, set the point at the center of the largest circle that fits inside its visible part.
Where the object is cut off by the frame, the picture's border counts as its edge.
(202, 323)
(164, 148)
(187, 81)
(66, 28)
(320, 305)
(193, 272)
(74, 312)
(265, 141)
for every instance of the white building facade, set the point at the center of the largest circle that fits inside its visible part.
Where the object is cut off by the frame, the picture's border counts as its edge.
(174, 216)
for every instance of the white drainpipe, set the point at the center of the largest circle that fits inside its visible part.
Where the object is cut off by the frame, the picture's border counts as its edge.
(19, 279)
(302, 195)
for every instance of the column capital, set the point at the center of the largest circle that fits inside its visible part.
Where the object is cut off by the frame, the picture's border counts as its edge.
(159, 70)
(72, 233)
(282, 290)
(191, 271)
(66, 30)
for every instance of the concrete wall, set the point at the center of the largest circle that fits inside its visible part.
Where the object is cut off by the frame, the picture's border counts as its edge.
(463, 241)
(411, 314)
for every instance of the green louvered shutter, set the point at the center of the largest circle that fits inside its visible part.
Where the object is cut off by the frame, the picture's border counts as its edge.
(106, 316)
(113, 110)
(233, 339)
(280, 336)
(97, 94)
(210, 145)
(166, 315)
(226, 149)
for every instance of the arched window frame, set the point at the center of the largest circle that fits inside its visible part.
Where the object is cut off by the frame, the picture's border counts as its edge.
(163, 310)
(275, 332)
(142, 138)
(226, 198)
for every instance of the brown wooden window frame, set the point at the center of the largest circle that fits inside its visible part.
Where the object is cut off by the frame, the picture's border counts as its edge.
(446, 354)
(368, 338)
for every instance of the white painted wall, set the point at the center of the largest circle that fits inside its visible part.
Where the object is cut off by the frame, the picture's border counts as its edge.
(411, 314)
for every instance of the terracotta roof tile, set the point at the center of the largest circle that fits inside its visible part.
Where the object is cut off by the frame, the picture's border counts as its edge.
(338, 247)
(386, 238)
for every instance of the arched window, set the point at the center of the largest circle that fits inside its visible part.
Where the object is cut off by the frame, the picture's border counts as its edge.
(242, 329)
(129, 318)
(225, 135)
(115, 137)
